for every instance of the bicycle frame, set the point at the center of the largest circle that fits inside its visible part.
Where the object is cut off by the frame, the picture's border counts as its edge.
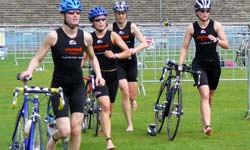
(27, 129)
(91, 108)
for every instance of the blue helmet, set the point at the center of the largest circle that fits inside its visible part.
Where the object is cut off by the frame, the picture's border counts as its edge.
(202, 4)
(67, 5)
(97, 11)
(120, 6)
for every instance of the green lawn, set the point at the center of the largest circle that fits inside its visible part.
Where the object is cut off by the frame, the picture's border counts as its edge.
(231, 131)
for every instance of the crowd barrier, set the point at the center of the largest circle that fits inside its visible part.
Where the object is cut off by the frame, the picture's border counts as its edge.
(164, 44)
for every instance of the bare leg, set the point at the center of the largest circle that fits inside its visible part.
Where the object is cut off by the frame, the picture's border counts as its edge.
(63, 131)
(205, 108)
(76, 126)
(105, 120)
(132, 94)
(126, 105)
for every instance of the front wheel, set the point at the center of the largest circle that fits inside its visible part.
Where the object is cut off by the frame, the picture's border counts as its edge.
(36, 136)
(18, 141)
(175, 112)
(159, 107)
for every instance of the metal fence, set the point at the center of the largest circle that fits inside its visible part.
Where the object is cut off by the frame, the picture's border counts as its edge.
(165, 42)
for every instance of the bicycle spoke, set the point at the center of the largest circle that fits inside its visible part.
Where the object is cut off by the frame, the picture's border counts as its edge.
(96, 119)
(175, 112)
(18, 137)
(159, 107)
(36, 135)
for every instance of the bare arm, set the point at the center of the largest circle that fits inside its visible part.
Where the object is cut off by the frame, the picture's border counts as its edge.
(222, 42)
(143, 43)
(50, 40)
(117, 40)
(186, 43)
(84, 59)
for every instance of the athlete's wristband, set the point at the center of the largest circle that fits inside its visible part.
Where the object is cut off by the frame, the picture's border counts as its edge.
(116, 56)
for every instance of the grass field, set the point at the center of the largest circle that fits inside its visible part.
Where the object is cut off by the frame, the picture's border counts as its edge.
(231, 131)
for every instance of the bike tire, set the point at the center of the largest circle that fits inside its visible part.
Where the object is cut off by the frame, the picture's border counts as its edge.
(85, 123)
(18, 141)
(175, 112)
(159, 107)
(91, 111)
(96, 119)
(36, 135)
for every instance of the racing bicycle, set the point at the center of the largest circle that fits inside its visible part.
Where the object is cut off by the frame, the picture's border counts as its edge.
(169, 100)
(27, 133)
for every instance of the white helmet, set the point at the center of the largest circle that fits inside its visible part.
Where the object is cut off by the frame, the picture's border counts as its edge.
(202, 4)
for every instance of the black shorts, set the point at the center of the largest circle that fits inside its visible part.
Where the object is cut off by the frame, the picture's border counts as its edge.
(128, 71)
(210, 73)
(111, 86)
(75, 98)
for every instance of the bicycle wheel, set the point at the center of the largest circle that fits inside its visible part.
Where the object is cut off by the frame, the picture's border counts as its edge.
(175, 112)
(85, 123)
(96, 119)
(18, 141)
(240, 55)
(65, 143)
(159, 107)
(91, 112)
(36, 136)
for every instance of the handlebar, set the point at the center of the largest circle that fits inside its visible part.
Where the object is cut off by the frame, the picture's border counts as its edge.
(37, 90)
(172, 65)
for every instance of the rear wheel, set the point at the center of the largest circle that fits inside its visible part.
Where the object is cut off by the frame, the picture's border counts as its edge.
(159, 107)
(85, 123)
(175, 112)
(96, 119)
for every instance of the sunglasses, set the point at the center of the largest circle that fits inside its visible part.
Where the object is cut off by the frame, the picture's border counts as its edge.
(99, 20)
(204, 10)
(73, 12)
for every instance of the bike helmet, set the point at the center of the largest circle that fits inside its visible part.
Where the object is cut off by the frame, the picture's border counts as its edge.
(97, 11)
(152, 130)
(120, 6)
(202, 4)
(67, 5)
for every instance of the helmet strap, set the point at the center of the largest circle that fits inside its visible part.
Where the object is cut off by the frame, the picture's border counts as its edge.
(66, 23)
(100, 30)
(202, 19)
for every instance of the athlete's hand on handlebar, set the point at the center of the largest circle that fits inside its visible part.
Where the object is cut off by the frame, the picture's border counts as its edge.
(24, 76)
(180, 68)
(99, 81)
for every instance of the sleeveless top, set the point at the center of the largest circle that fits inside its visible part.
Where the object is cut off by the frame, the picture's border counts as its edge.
(100, 45)
(205, 48)
(67, 56)
(127, 37)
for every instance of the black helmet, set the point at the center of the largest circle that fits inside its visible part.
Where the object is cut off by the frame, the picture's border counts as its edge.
(152, 130)
(202, 4)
